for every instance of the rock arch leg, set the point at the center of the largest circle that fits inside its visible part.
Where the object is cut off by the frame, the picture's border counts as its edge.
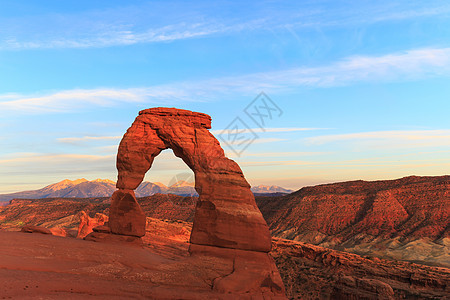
(128, 217)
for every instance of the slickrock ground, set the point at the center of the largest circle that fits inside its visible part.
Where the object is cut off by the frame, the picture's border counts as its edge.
(34, 265)
(51, 267)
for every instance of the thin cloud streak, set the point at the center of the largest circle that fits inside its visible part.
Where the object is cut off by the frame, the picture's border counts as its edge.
(74, 140)
(369, 162)
(409, 65)
(120, 38)
(88, 30)
(275, 154)
(411, 135)
(78, 98)
(25, 158)
(267, 140)
(387, 139)
(267, 130)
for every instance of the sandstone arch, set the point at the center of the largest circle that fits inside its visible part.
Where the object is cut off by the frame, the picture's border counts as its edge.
(226, 214)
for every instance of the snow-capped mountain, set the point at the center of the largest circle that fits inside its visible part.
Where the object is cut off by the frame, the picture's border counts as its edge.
(266, 189)
(83, 188)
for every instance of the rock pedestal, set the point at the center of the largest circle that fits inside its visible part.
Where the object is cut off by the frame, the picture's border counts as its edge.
(254, 273)
(129, 218)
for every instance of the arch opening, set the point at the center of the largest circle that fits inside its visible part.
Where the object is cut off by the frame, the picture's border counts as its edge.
(172, 173)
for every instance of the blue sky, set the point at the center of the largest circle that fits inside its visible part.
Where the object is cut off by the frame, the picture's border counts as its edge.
(363, 88)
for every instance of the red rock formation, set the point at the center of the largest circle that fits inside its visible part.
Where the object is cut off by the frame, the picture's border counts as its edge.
(312, 272)
(127, 217)
(408, 208)
(226, 214)
(253, 273)
(35, 229)
(59, 232)
(50, 213)
(87, 223)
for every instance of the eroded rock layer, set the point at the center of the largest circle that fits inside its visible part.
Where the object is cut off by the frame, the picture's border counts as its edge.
(226, 214)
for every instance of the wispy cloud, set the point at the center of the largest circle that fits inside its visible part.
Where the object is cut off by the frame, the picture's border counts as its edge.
(249, 154)
(409, 65)
(76, 140)
(78, 98)
(121, 37)
(268, 140)
(394, 138)
(108, 149)
(413, 12)
(44, 168)
(142, 24)
(54, 158)
(271, 130)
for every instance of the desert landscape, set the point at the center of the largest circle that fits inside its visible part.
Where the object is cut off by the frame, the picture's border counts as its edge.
(404, 269)
(224, 149)
(361, 240)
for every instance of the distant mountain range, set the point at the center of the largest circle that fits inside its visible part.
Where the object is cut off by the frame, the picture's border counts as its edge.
(83, 188)
(266, 189)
